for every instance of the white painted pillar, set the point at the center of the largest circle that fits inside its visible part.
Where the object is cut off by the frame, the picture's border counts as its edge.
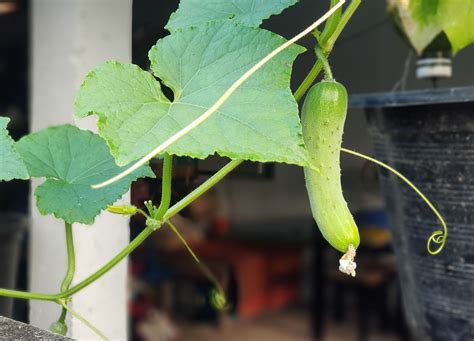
(68, 38)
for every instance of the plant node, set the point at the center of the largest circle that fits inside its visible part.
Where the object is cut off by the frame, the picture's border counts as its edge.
(153, 223)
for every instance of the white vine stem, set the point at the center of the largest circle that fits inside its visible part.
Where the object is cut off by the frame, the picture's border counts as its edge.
(220, 101)
(85, 321)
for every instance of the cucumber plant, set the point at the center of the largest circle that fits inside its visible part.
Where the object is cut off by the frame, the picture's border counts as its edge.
(223, 69)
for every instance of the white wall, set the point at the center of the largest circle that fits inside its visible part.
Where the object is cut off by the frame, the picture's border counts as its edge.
(67, 39)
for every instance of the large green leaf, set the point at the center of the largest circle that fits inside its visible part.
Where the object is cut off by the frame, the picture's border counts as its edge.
(418, 19)
(11, 164)
(457, 19)
(248, 12)
(72, 160)
(423, 20)
(259, 122)
(425, 12)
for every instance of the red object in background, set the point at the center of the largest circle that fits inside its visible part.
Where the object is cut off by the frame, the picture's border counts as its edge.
(284, 269)
(267, 277)
(252, 282)
(140, 306)
(221, 226)
(283, 262)
(281, 294)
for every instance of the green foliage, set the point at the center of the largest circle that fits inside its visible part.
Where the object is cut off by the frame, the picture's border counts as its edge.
(423, 20)
(425, 12)
(421, 24)
(248, 12)
(72, 160)
(259, 122)
(11, 164)
(457, 18)
(213, 43)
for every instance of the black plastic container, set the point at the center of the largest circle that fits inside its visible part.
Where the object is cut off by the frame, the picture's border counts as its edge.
(429, 137)
(12, 229)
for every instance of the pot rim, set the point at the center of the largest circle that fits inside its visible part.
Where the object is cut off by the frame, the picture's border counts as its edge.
(412, 98)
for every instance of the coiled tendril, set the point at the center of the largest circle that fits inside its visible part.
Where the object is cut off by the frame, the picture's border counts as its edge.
(437, 237)
(218, 300)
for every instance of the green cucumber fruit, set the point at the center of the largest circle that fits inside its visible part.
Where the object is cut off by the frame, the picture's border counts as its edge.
(323, 117)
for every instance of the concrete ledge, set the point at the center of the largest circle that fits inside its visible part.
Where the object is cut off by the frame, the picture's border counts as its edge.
(14, 330)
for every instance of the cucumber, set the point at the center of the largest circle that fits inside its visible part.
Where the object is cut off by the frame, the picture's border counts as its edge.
(323, 116)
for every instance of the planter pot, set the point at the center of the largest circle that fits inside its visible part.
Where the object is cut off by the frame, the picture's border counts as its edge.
(429, 137)
(12, 228)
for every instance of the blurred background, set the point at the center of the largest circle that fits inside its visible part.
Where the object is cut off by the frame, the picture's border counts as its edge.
(255, 230)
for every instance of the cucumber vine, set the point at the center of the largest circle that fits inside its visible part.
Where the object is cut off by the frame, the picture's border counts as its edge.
(233, 70)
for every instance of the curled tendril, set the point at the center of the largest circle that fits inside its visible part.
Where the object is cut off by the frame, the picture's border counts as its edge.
(437, 237)
(217, 297)
(218, 300)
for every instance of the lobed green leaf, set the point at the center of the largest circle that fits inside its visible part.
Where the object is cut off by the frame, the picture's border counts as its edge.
(72, 160)
(259, 122)
(11, 164)
(423, 20)
(247, 12)
(418, 19)
(457, 19)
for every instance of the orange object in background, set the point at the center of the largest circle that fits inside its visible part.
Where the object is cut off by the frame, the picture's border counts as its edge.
(267, 277)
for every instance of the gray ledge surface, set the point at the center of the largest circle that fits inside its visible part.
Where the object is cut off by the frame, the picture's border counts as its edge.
(14, 330)
(409, 98)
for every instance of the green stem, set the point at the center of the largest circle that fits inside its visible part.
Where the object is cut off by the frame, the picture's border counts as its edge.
(308, 81)
(62, 317)
(201, 189)
(346, 16)
(331, 23)
(71, 259)
(103, 270)
(183, 240)
(324, 61)
(327, 47)
(65, 284)
(66, 292)
(164, 205)
(28, 295)
(71, 266)
(148, 231)
(165, 187)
